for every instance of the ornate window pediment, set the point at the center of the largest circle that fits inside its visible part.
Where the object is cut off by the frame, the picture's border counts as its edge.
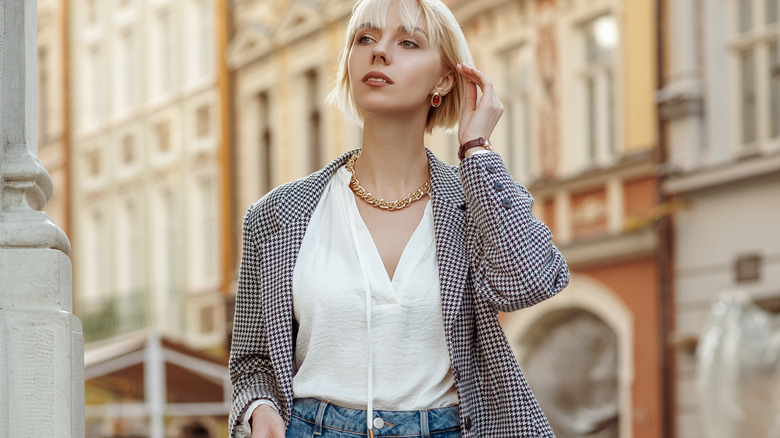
(251, 42)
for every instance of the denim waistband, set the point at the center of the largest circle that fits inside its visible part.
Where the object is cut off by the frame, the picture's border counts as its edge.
(324, 415)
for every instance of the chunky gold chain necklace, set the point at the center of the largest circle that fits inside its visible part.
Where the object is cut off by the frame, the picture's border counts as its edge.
(373, 201)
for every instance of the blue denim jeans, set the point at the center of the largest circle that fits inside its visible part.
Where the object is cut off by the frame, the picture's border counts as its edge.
(313, 418)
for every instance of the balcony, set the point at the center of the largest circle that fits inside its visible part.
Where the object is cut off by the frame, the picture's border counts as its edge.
(113, 315)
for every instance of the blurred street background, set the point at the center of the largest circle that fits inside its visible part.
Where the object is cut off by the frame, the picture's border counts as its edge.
(648, 132)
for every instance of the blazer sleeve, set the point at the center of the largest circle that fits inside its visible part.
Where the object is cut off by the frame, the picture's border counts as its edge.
(250, 367)
(514, 261)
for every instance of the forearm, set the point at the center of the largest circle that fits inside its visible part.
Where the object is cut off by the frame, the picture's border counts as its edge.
(517, 264)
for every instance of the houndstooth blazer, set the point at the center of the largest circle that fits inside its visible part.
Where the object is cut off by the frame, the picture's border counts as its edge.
(493, 255)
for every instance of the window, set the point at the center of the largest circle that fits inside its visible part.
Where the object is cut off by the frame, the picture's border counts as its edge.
(266, 137)
(202, 122)
(125, 73)
(314, 122)
(163, 134)
(208, 236)
(95, 257)
(204, 35)
(755, 49)
(128, 149)
(91, 11)
(93, 89)
(164, 46)
(517, 106)
(600, 39)
(130, 241)
(170, 237)
(93, 162)
(207, 316)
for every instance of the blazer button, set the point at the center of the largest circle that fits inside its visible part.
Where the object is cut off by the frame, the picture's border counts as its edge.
(467, 423)
(490, 168)
(498, 186)
(507, 203)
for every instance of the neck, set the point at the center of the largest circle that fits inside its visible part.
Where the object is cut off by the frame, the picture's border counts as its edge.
(393, 161)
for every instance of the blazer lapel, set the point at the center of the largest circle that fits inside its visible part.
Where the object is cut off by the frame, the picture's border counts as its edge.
(449, 221)
(278, 256)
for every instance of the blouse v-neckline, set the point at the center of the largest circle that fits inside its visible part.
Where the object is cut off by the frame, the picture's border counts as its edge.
(413, 251)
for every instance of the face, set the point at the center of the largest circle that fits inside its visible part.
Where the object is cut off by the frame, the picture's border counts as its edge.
(393, 71)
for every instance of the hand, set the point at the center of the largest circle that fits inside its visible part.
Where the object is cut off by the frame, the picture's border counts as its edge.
(267, 423)
(479, 117)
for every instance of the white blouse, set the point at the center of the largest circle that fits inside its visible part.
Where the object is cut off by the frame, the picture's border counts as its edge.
(394, 357)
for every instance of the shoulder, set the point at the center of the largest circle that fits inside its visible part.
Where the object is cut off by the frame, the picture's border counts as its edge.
(289, 201)
(261, 218)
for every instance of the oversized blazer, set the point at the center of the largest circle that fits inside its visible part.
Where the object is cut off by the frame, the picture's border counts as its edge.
(493, 255)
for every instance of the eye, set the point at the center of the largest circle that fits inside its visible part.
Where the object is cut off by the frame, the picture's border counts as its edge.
(409, 44)
(363, 39)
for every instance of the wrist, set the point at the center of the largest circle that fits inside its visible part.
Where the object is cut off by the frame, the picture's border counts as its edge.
(475, 151)
(472, 146)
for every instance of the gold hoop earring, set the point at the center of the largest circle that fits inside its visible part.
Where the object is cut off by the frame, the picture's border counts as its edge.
(436, 99)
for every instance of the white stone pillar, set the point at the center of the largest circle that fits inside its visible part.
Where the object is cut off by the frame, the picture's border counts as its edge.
(41, 342)
(681, 98)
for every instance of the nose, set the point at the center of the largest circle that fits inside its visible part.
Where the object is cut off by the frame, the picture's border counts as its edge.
(379, 53)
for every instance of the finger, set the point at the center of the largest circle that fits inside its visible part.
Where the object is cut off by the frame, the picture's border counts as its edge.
(489, 97)
(468, 72)
(476, 76)
(470, 102)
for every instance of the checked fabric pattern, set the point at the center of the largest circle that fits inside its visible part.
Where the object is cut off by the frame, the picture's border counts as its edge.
(493, 254)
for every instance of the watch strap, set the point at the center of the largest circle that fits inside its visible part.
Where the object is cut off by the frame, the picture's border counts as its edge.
(481, 142)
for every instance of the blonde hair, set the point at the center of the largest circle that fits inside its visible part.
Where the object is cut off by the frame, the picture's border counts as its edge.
(444, 31)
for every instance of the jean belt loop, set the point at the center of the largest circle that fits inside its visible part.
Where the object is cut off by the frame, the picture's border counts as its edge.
(318, 420)
(424, 427)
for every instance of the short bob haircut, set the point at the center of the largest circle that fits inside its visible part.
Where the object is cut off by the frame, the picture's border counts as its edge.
(444, 32)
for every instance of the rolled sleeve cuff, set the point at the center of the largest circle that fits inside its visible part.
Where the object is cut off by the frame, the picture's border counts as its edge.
(245, 430)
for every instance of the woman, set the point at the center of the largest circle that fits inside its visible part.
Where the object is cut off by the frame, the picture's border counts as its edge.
(357, 316)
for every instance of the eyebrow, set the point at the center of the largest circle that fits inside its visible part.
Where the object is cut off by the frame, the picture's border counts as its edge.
(401, 28)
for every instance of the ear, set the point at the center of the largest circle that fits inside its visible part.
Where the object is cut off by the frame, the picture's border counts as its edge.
(446, 83)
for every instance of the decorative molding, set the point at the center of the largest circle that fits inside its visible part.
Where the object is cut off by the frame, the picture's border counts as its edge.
(601, 250)
(725, 174)
(592, 296)
(26, 187)
(677, 102)
(256, 39)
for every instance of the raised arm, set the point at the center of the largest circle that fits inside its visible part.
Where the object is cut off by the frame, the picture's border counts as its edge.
(516, 263)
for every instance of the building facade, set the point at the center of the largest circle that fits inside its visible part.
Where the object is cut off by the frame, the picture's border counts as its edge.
(145, 164)
(578, 81)
(147, 139)
(721, 105)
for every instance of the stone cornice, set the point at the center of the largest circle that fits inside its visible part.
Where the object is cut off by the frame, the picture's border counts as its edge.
(727, 173)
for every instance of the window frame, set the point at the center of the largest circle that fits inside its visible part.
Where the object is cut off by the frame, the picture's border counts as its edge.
(759, 38)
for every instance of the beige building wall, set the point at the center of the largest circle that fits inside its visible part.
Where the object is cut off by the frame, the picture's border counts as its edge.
(145, 140)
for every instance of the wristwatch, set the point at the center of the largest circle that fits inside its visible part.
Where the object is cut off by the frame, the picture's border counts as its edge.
(480, 142)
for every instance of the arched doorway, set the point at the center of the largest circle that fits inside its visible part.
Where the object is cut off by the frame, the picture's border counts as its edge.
(576, 351)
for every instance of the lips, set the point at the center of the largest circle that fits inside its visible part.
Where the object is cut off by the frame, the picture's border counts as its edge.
(376, 78)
